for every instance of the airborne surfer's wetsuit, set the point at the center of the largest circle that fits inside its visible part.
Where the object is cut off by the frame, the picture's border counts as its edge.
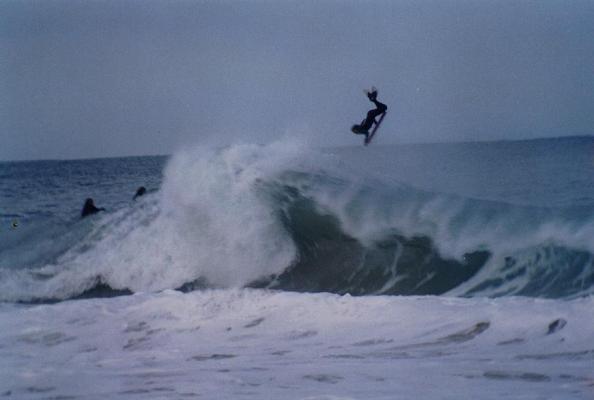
(367, 123)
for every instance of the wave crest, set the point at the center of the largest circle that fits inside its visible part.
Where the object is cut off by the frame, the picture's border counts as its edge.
(285, 217)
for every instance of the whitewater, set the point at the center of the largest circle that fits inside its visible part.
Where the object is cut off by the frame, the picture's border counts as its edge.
(251, 271)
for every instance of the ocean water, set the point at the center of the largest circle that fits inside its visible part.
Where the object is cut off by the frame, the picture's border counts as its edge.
(282, 271)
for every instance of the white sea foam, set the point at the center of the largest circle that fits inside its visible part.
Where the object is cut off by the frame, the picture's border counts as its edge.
(208, 221)
(254, 344)
(211, 220)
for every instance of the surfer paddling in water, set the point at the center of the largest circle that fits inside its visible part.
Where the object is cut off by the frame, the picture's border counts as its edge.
(89, 208)
(367, 123)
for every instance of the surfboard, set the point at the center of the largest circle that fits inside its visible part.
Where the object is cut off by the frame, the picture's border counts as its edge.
(375, 128)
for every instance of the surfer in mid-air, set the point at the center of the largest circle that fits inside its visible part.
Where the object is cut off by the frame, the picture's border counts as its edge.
(367, 123)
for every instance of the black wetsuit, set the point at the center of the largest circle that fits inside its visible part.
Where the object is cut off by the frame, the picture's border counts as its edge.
(89, 208)
(380, 108)
(367, 123)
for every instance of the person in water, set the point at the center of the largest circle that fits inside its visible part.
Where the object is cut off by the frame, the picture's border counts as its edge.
(367, 123)
(89, 208)
(141, 191)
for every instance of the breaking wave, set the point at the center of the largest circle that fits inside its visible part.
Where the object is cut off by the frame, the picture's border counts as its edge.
(286, 217)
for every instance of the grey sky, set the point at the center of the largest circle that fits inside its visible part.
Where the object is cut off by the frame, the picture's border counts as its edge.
(105, 78)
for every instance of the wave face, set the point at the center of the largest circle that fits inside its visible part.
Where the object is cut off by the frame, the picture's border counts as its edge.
(287, 217)
(399, 240)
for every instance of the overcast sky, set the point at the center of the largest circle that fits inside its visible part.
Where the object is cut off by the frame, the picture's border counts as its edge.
(99, 78)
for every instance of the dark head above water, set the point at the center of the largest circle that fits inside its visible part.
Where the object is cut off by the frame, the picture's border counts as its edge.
(139, 192)
(89, 208)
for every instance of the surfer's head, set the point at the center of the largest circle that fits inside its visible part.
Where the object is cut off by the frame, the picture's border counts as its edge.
(141, 191)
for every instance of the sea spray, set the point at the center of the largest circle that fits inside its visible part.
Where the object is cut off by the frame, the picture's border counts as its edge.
(290, 217)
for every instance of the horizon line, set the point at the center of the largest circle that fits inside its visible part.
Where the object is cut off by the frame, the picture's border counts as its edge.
(585, 136)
